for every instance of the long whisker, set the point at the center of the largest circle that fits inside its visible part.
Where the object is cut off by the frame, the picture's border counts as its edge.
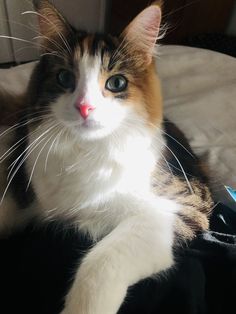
(25, 110)
(37, 143)
(26, 47)
(119, 51)
(179, 163)
(40, 35)
(27, 149)
(174, 139)
(36, 160)
(184, 173)
(23, 40)
(18, 143)
(52, 41)
(10, 129)
(50, 149)
(52, 54)
(54, 26)
(19, 125)
(13, 128)
(16, 38)
(161, 154)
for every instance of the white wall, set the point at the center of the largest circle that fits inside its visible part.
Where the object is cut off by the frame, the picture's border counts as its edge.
(22, 26)
(87, 15)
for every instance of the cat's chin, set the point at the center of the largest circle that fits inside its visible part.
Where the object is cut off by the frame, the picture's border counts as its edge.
(90, 130)
(91, 125)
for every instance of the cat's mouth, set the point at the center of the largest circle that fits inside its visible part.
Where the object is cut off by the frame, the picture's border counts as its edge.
(91, 124)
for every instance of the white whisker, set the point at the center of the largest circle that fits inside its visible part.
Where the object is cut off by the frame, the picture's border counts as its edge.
(17, 126)
(174, 139)
(37, 143)
(20, 142)
(50, 149)
(54, 26)
(36, 160)
(29, 146)
(61, 49)
(183, 171)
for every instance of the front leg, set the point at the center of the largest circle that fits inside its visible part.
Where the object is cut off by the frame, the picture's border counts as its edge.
(137, 248)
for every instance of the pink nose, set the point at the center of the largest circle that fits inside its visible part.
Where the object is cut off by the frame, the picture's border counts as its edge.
(85, 110)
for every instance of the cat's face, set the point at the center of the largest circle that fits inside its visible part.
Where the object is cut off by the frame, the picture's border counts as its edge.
(95, 85)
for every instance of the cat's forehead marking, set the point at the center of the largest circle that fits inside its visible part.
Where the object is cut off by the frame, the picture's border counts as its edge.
(114, 53)
(96, 45)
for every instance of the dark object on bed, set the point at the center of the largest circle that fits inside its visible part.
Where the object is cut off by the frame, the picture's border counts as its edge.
(217, 42)
(36, 266)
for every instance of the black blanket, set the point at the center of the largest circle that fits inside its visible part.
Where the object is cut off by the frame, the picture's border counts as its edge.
(37, 265)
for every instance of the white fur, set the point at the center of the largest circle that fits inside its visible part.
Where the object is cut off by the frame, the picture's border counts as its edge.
(98, 176)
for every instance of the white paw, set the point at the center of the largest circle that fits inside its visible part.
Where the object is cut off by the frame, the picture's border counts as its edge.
(93, 292)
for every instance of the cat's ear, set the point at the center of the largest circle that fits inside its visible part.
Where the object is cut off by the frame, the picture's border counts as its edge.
(142, 33)
(53, 27)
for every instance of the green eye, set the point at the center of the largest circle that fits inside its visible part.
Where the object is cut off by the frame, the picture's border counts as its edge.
(116, 83)
(66, 79)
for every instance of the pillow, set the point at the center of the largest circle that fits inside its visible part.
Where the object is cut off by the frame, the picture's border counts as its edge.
(200, 97)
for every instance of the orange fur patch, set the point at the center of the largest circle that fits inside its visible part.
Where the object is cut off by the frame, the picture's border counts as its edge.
(144, 93)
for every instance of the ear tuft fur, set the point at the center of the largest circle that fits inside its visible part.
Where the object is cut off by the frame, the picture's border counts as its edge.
(142, 33)
(159, 3)
(51, 23)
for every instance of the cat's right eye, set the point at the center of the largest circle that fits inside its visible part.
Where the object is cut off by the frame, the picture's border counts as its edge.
(66, 79)
(116, 83)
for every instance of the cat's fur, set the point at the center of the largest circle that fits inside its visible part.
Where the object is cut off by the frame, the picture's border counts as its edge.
(105, 174)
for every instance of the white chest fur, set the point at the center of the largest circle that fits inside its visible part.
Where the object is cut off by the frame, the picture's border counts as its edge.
(81, 181)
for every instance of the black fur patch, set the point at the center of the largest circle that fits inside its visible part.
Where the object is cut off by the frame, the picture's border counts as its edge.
(18, 187)
(191, 163)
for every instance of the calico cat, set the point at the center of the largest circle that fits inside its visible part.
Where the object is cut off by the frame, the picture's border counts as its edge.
(91, 151)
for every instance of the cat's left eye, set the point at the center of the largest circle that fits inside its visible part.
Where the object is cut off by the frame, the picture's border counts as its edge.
(116, 83)
(66, 79)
